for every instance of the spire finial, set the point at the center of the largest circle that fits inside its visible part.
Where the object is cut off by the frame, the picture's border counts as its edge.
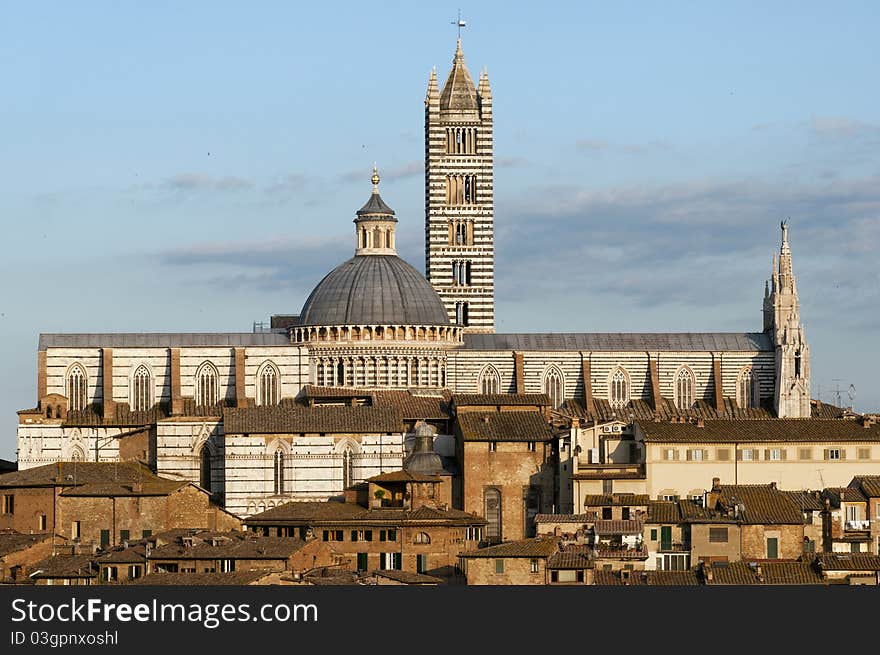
(375, 178)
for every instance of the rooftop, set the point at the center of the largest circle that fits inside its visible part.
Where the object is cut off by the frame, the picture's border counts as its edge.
(291, 419)
(796, 430)
(504, 426)
(623, 342)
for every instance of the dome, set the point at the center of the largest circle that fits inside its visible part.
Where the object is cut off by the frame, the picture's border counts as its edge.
(374, 290)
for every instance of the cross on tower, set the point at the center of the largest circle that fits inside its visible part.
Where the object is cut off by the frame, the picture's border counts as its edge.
(459, 23)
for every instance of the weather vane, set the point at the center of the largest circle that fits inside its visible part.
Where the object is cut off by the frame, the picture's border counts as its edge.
(459, 23)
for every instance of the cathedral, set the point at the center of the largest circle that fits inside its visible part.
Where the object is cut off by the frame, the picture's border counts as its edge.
(332, 395)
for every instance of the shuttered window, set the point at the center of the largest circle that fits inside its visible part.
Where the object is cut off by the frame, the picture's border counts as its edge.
(718, 535)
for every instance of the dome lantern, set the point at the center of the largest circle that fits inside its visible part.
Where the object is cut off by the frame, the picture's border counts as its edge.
(375, 223)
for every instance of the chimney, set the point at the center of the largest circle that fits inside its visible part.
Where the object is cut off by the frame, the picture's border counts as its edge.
(716, 484)
(701, 423)
(759, 573)
(773, 485)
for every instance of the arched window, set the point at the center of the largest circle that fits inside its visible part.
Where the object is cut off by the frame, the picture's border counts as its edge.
(267, 385)
(77, 455)
(747, 391)
(207, 385)
(490, 381)
(141, 389)
(618, 388)
(279, 472)
(77, 384)
(205, 469)
(554, 385)
(461, 313)
(684, 388)
(347, 468)
(492, 499)
(422, 538)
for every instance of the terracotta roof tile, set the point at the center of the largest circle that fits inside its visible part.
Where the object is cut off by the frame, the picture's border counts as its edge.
(233, 545)
(661, 511)
(403, 476)
(69, 474)
(789, 573)
(502, 399)
(764, 504)
(672, 578)
(239, 578)
(538, 547)
(587, 517)
(616, 500)
(64, 566)
(12, 541)
(630, 526)
(848, 561)
(775, 431)
(406, 577)
(572, 556)
(332, 513)
(504, 426)
(868, 484)
(287, 420)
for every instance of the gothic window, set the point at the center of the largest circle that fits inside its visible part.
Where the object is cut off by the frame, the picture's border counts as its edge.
(461, 313)
(490, 381)
(205, 468)
(618, 388)
(279, 472)
(77, 383)
(267, 385)
(797, 363)
(747, 392)
(340, 373)
(347, 468)
(141, 389)
(492, 499)
(554, 385)
(684, 388)
(77, 455)
(207, 385)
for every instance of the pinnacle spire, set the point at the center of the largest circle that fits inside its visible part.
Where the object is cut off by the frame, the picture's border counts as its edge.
(458, 93)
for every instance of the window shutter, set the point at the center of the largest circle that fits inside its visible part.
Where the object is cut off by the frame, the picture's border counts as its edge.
(826, 453)
(767, 454)
(689, 454)
(843, 453)
(739, 455)
(784, 454)
(675, 454)
(705, 454)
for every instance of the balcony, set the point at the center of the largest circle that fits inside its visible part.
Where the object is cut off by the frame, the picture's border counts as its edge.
(673, 547)
(858, 525)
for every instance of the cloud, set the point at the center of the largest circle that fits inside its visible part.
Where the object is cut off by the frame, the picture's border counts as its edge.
(694, 244)
(599, 145)
(201, 181)
(510, 162)
(290, 183)
(846, 131)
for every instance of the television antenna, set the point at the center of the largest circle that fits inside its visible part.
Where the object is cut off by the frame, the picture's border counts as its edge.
(851, 392)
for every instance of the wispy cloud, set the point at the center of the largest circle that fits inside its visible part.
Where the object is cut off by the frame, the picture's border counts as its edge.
(201, 181)
(600, 145)
(837, 127)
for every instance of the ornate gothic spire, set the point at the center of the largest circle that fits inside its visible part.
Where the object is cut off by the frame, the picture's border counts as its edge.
(458, 92)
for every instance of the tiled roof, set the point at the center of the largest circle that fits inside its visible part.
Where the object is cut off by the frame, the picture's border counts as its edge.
(768, 573)
(336, 513)
(502, 399)
(124, 417)
(64, 566)
(789, 573)
(616, 526)
(693, 513)
(412, 404)
(573, 556)
(335, 420)
(848, 561)
(643, 410)
(868, 484)
(672, 578)
(131, 555)
(403, 476)
(806, 500)
(162, 339)
(587, 517)
(68, 474)
(623, 342)
(238, 578)
(843, 494)
(112, 489)
(778, 430)
(406, 577)
(662, 511)
(538, 547)
(12, 541)
(605, 500)
(732, 573)
(764, 504)
(504, 426)
(234, 545)
(614, 579)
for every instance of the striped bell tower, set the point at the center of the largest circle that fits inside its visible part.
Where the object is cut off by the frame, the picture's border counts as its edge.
(459, 196)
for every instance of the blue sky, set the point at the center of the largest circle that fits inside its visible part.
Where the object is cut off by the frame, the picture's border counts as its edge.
(196, 166)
